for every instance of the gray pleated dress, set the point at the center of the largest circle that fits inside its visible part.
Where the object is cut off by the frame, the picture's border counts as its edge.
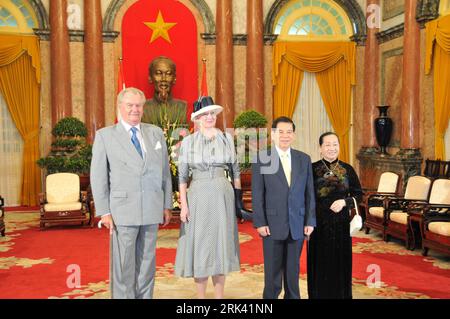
(209, 242)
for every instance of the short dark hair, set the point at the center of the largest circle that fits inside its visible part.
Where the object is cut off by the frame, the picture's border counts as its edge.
(325, 135)
(282, 119)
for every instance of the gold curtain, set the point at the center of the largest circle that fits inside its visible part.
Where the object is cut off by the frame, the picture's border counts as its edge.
(438, 53)
(286, 90)
(20, 86)
(334, 65)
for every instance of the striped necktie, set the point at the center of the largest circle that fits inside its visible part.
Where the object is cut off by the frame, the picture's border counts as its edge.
(135, 141)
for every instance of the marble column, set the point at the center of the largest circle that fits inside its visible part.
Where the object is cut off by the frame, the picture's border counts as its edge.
(410, 115)
(371, 84)
(224, 61)
(255, 56)
(94, 86)
(61, 91)
(407, 162)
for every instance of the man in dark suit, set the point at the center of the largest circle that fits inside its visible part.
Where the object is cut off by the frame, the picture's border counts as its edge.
(283, 203)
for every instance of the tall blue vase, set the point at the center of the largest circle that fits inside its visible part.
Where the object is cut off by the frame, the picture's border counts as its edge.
(383, 128)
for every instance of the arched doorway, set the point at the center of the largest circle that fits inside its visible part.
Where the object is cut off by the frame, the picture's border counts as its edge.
(312, 21)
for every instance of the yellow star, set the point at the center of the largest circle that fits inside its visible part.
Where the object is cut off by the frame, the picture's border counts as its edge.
(160, 28)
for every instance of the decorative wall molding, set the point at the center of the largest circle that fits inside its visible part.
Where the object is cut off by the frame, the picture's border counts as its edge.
(76, 35)
(41, 14)
(384, 56)
(238, 39)
(392, 9)
(391, 33)
(427, 10)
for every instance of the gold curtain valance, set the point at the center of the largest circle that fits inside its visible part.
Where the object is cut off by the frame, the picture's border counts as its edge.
(13, 46)
(314, 57)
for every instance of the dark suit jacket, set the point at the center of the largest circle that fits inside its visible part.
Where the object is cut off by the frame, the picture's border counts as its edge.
(277, 205)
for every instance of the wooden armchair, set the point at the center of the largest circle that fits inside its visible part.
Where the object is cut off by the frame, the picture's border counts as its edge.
(374, 202)
(432, 168)
(447, 170)
(2, 216)
(63, 202)
(435, 224)
(396, 212)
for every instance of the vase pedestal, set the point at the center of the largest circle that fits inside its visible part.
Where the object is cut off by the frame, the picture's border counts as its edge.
(246, 185)
(175, 216)
(405, 163)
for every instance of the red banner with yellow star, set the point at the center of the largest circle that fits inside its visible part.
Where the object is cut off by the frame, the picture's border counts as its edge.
(151, 28)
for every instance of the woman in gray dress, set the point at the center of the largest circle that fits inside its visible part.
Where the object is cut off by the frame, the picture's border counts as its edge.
(209, 241)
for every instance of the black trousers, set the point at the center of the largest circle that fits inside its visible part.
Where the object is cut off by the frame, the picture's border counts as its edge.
(281, 267)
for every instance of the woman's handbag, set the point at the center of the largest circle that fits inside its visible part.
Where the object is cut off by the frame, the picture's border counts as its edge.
(356, 222)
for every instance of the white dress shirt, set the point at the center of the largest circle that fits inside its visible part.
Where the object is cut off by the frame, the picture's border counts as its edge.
(285, 157)
(288, 153)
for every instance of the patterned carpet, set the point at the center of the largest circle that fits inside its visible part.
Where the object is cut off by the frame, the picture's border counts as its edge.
(40, 264)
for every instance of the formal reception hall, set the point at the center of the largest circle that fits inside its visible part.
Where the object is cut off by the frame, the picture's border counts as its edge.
(134, 134)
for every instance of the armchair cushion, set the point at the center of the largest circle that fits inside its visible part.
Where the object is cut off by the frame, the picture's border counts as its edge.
(417, 188)
(377, 212)
(63, 188)
(440, 228)
(55, 207)
(388, 183)
(399, 216)
(440, 193)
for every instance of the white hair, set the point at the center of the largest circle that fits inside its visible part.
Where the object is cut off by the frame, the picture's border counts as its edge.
(131, 90)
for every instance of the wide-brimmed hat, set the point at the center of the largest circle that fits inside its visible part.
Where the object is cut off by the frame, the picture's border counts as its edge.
(203, 105)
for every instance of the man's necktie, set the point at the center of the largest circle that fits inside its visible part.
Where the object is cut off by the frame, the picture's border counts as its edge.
(286, 167)
(135, 141)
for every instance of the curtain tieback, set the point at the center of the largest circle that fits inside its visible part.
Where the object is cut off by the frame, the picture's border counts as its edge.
(31, 135)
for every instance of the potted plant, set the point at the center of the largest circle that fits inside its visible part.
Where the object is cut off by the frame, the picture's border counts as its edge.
(70, 153)
(248, 141)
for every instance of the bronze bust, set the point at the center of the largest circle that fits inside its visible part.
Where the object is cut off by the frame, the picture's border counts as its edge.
(162, 107)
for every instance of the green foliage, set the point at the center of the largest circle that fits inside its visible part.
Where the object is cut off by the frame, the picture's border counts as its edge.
(66, 143)
(69, 153)
(70, 126)
(246, 165)
(250, 118)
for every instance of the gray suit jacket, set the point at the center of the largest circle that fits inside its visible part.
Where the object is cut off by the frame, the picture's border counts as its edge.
(134, 190)
(284, 209)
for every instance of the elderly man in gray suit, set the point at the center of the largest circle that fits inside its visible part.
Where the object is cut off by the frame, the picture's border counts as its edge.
(283, 203)
(132, 190)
